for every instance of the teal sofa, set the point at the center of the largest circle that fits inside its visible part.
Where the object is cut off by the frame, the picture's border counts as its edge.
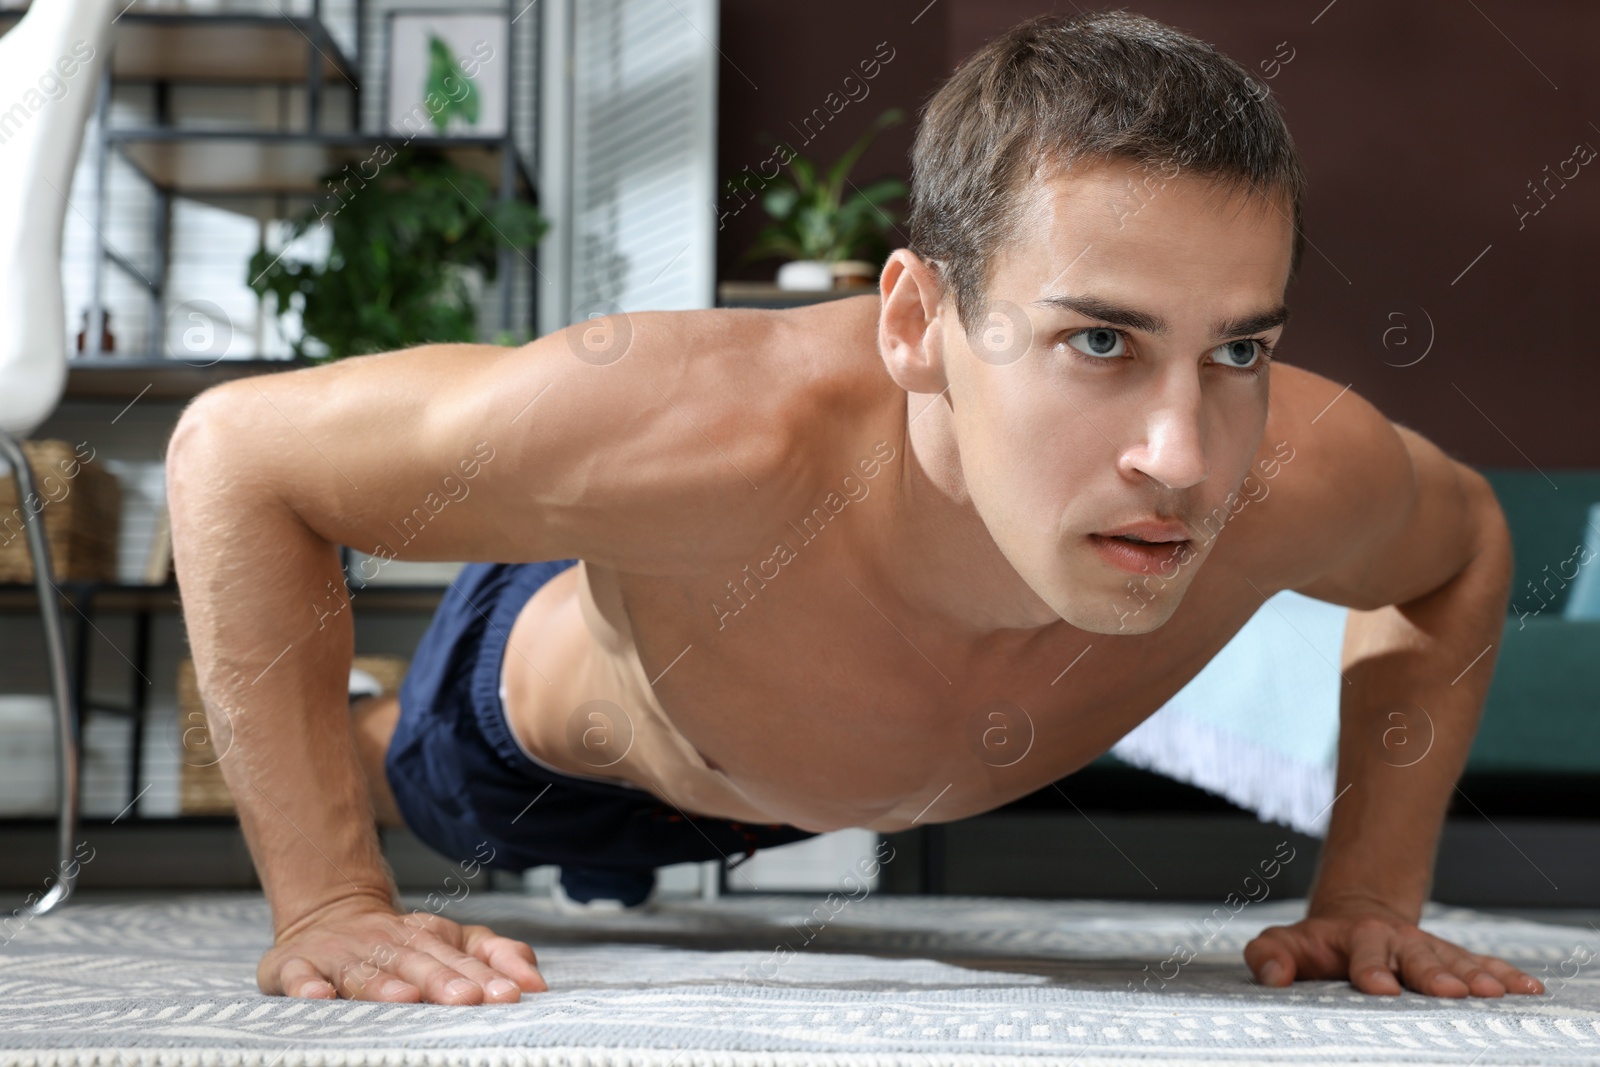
(1543, 708)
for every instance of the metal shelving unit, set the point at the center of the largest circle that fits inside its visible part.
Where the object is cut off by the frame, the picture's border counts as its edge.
(87, 599)
(260, 173)
(164, 48)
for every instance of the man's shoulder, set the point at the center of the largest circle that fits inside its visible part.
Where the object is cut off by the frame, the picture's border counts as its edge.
(826, 350)
(718, 421)
(1330, 469)
(794, 379)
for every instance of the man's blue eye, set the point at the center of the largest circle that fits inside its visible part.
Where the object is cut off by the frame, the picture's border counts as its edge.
(1101, 341)
(1102, 344)
(1239, 354)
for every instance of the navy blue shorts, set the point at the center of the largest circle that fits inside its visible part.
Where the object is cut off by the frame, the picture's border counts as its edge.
(469, 791)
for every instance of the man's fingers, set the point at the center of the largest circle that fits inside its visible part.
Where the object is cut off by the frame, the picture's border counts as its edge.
(1424, 970)
(396, 959)
(1381, 957)
(495, 987)
(298, 977)
(513, 958)
(439, 982)
(1480, 983)
(362, 979)
(1369, 960)
(1297, 951)
(1514, 980)
(1270, 957)
(1468, 967)
(1278, 970)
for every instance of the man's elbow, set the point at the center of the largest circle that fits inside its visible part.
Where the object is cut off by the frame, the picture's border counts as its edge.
(199, 442)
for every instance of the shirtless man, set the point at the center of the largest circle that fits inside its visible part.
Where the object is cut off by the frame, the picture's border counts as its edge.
(817, 546)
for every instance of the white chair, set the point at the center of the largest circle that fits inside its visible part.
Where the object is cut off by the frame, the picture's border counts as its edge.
(37, 159)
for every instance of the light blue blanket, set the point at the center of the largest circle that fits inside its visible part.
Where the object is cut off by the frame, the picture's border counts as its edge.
(1259, 724)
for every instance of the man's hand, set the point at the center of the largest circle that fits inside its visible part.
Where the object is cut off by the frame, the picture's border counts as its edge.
(1378, 950)
(379, 954)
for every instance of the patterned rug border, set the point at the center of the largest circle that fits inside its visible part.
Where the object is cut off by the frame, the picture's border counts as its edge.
(610, 1057)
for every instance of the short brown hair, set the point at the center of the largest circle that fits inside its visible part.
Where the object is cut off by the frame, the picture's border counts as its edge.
(1101, 86)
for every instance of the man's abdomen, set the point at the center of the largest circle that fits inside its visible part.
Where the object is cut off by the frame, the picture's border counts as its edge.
(579, 702)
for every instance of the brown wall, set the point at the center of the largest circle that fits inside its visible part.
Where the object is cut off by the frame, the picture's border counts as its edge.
(782, 61)
(1420, 125)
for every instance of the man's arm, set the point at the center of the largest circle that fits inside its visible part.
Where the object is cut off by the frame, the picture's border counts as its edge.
(440, 452)
(265, 477)
(1427, 578)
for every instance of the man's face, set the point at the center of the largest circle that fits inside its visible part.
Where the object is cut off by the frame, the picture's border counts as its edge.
(1135, 404)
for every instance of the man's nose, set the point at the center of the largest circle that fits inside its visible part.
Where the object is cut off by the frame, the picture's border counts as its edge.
(1172, 448)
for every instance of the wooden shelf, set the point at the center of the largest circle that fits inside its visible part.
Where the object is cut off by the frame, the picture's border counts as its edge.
(226, 47)
(245, 163)
(222, 47)
(768, 295)
(110, 378)
(108, 596)
(121, 597)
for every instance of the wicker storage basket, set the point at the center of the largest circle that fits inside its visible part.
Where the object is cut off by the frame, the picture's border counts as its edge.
(201, 788)
(81, 503)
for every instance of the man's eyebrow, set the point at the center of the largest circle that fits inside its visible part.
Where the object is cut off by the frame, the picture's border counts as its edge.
(1117, 315)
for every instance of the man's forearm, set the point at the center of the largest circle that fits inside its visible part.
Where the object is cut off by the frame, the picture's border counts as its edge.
(1416, 676)
(272, 668)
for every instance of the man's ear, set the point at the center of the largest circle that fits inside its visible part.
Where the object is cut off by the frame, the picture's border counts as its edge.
(910, 324)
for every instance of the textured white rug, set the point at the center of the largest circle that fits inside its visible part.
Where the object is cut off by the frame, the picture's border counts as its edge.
(783, 980)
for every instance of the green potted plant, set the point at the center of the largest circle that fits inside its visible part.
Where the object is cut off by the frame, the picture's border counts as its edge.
(402, 248)
(826, 235)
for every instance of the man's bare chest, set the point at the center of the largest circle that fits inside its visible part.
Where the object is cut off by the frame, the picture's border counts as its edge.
(824, 703)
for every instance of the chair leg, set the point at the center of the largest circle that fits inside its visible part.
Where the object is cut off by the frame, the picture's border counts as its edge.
(60, 682)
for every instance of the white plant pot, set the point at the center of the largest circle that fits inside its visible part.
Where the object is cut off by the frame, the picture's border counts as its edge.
(805, 274)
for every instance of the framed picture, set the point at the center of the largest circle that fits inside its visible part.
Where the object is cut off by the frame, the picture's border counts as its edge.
(448, 73)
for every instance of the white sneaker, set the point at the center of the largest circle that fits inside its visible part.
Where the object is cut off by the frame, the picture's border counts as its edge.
(363, 684)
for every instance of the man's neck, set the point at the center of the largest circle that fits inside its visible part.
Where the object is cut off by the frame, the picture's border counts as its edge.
(932, 546)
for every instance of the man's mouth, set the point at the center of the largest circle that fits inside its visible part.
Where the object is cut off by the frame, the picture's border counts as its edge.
(1136, 555)
(1149, 532)
(1132, 540)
